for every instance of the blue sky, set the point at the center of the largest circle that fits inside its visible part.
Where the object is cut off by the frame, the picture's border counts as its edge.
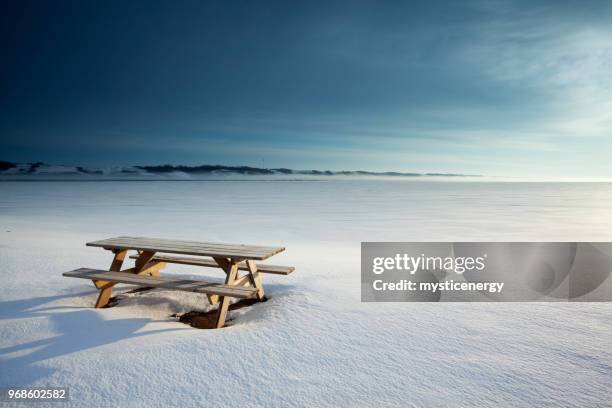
(488, 87)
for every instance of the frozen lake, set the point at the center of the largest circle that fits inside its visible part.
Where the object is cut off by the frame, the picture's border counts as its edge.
(343, 211)
(313, 342)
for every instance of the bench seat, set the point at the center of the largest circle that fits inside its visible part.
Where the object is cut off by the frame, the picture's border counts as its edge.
(187, 285)
(209, 262)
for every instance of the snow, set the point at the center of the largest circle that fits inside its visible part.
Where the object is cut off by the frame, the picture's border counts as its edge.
(313, 342)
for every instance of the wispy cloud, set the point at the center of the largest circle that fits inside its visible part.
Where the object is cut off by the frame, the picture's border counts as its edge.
(563, 60)
(488, 87)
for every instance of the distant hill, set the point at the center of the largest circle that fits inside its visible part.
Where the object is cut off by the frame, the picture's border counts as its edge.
(40, 170)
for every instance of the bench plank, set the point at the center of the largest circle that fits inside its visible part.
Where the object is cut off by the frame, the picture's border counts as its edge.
(184, 260)
(214, 249)
(164, 283)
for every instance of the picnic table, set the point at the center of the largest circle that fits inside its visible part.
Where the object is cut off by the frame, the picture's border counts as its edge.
(153, 254)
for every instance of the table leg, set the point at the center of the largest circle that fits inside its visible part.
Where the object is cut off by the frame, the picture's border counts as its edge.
(115, 266)
(143, 264)
(223, 263)
(252, 277)
(104, 297)
(231, 270)
(255, 278)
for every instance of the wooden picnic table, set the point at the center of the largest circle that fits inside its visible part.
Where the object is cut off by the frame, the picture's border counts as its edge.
(151, 256)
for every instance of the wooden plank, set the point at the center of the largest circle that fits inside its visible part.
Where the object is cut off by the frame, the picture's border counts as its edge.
(115, 267)
(143, 266)
(142, 260)
(154, 267)
(103, 297)
(232, 270)
(242, 281)
(255, 278)
(106, 287)
(207, 262)
(224, 264)
(118, 261)
(236, 251)
(181, 243)
(188, 246)
(151, 269)
(187, 285)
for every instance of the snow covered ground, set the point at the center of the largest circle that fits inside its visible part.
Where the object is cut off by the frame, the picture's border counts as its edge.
(313, 343)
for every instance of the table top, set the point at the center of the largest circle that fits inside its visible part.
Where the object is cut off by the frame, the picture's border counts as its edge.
(213, 249)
